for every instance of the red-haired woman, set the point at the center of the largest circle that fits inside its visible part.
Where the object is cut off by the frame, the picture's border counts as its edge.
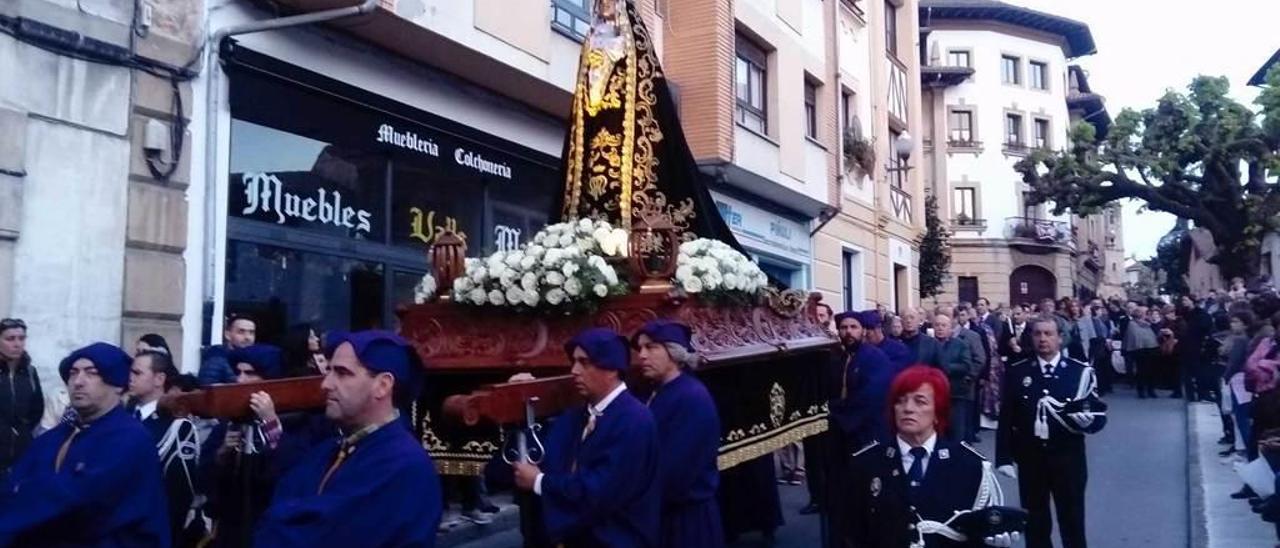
(917, 490)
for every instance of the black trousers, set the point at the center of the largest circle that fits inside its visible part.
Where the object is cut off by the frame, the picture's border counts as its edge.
(1060, 476)
(1144, 370)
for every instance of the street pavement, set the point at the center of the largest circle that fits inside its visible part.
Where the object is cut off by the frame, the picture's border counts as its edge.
(1223, 522)
(1137, 494)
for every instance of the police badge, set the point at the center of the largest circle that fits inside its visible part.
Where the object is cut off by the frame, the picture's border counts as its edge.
(944, 454)
(875, 487)
(1026, 381)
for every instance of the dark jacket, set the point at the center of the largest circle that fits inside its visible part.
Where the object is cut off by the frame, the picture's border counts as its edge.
(21, 406)
(214, 367)
(1024, 385)
(880, 512)
(924, 349)
(1009, 332)
(958, 361)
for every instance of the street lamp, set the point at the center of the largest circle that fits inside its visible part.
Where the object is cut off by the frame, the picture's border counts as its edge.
(900, 149)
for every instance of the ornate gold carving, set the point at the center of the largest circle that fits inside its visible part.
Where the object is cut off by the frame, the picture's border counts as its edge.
(754, 448)
(777, 404)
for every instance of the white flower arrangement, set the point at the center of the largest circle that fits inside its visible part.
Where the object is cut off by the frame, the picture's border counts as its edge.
(425, 290)
(563, 266)
(711, 267)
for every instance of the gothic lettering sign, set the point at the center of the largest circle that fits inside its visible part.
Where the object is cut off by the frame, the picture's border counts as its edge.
(298, 199)
(423, 227)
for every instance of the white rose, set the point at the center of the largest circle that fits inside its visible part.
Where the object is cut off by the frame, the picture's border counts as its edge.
(712, 281)
(535, 251)
(684, 272)
(496, 298)
(573, 287)
(527, 262)
(554, 278)
(610, 275)
(569, 269)
(514, 259)
(529, 282)
(565, 240)
(478, 296)
(600, 290)
(462, 284)
(498, 270)
(585, 225)
(731, 281)
(478, 275)
(515, 295)
(555, 296)
(531, 298)
(692, 285)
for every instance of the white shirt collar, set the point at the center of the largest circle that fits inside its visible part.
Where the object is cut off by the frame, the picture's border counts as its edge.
(1054, 362)
(905, 448)
(147, 409)
(598, 409)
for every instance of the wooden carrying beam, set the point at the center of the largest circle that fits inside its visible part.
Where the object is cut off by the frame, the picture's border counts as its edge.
(503, 403)
(231, 401)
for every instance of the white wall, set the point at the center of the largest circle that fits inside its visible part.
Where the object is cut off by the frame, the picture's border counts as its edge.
(1000, 187)
(68, 267)
(855, 75)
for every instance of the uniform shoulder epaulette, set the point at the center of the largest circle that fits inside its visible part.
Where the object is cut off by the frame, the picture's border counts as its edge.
(865, 448)
(972, 450)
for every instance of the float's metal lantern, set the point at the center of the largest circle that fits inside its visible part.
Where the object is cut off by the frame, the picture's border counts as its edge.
(448, 262)
(654, 248)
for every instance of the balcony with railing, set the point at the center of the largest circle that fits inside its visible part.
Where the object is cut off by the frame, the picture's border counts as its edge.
(1038, 235)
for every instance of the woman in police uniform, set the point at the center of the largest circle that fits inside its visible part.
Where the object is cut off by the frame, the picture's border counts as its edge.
(919, 490)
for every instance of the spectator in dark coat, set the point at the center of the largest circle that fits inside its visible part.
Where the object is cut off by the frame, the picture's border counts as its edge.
(239, 332)
(21, 400)
(962, 371)
(924, 349)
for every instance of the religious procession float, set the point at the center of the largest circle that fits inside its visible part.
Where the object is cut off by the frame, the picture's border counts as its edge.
(639, 238)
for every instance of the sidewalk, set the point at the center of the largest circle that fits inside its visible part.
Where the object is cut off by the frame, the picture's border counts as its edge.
(1217, 520)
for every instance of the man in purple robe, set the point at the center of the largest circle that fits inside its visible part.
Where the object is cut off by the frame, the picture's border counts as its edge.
(598, 484)
(688, 436)
(374, 485)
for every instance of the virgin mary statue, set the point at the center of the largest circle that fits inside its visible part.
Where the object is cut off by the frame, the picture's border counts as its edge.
(625, 157)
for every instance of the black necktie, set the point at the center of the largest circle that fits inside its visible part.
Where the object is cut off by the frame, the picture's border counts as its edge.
(1048, 369)
(137, 413)
(916, 474)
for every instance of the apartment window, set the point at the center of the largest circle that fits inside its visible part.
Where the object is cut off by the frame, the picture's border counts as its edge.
(811, 110)
(750, 86)
(960, 124)
(891, 28)
(1039, 75)
(848, 109)
(851, 274)
(965, 201)
(1042, 133)
(959, 58)
(1013, 130)
(967, 289)
(571, 17)
(1011, 70)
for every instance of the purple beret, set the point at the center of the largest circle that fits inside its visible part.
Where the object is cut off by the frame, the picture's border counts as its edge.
(606, 348)
(113, 363)
(267, 360)
(871, 319)
(666, 331)
(380, 352)
(849, 315)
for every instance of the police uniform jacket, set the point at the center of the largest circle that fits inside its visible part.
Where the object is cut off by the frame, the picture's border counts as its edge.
(1051, 412)
(883, 513)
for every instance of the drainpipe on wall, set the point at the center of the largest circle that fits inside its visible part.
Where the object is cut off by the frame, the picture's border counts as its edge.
(213, 84)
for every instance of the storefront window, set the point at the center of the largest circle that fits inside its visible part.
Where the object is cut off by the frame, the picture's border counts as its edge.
(283, 287)
(297, 182)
